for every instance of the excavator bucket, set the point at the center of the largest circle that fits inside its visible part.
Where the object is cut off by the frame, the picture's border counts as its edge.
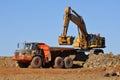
(66, 40)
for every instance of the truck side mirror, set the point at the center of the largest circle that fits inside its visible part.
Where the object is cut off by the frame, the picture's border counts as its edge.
(18, 45)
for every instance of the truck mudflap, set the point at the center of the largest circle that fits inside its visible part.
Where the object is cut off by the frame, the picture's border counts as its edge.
(22, 58)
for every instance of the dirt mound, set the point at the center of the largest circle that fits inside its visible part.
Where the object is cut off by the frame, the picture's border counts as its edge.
(7, 62)
(102, 60)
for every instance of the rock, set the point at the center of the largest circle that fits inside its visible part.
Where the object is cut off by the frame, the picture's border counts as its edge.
(112, 74)
(107, 75)
(102, 60)
(118, 74)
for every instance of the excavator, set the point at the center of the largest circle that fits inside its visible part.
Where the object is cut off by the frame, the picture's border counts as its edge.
(84, 40)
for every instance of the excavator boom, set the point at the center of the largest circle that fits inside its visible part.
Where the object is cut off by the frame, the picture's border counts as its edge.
(75, 18)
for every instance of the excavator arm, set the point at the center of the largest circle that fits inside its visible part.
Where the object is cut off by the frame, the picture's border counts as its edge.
(75, 18)
(71, 15)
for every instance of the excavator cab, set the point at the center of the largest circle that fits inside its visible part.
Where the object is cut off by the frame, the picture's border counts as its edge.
(95, 41)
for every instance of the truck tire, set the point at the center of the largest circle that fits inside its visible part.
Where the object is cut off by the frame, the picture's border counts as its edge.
(23, 65)
(59, 62)
(36, 62)
(68, 62)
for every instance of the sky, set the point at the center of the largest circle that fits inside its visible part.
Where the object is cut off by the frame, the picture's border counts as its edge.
(42, 21)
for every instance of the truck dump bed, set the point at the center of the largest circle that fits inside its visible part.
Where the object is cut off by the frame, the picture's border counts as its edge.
(61, 51)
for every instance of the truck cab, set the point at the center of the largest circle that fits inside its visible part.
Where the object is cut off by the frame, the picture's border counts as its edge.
(32, 53)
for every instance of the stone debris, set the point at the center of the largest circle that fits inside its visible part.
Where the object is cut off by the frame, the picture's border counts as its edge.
(102, 60)
(112, 74)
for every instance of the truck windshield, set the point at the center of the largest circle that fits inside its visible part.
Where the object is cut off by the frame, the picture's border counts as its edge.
(27, 46)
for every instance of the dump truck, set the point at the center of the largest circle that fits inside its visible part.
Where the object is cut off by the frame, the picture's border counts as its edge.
(37, 54)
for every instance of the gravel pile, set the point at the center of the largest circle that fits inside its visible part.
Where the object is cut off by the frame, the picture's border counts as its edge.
(102, 60)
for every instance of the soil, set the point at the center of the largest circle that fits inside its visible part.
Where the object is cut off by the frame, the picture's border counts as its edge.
(58, 74)
(96, 67)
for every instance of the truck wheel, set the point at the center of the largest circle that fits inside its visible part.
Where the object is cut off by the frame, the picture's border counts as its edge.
(68, 62)
(58, 62)
(36, 62)
(23, 65)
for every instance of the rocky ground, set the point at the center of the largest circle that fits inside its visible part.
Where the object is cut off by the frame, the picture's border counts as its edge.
(96, 67)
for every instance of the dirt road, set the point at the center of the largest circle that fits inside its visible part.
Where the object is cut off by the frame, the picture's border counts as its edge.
(58, 74)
